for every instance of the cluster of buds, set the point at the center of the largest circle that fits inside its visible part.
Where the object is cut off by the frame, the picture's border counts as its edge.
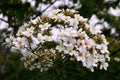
(60, 32)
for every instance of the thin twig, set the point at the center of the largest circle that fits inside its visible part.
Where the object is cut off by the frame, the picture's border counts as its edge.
(3, 20)
(115, 52)
(45, 9)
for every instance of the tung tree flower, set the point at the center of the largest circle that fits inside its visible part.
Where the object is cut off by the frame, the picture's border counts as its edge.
(75, 39)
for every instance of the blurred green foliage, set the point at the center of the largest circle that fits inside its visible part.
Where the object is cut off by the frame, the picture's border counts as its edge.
(11, 68)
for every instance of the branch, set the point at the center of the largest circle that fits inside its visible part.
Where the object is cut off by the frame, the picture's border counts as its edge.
(45, 9)
(115, 52)
(3, 20)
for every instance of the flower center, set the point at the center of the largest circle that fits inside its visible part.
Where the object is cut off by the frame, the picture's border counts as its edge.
(68, 42)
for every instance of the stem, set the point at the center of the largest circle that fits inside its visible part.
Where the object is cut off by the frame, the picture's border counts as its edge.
(3, 20)
(115, 52)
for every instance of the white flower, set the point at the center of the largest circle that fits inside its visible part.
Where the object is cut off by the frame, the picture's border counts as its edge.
(68, 41)
(67, 31)
(75, 33)
(8, 41)
(104, 65)
(60, 16)
(87, 27)
(35, 40)
(87, 54)
(74, 23)
(62, 34)
(107, 57)
(71, 10)
(26, 52)
(19, 43)
(44, 26)
(90, 61)
(66, 19)
(83, 19)
(40, 38)
(80, 56)
(94, 51)
(103, 48)
(19, 33)
(88, 42)
(82, 35)
(95, 30)
(77, 17)
(69, 50)
(92, 69)
(31, 29)
(100, 57)
(26, 33)
(104, 39)
(78, 44)
(82, 49)
(52, 15)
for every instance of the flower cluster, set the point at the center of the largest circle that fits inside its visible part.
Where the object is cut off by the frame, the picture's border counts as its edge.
(39, 42)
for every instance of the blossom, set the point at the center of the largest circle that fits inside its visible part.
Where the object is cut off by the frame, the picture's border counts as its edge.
(75, 33)
(40, 38)
(8, 41)
(69, 50)
(60, 17)
(82, 49)
(103, 39)
(82, 35)
(104, 65)
(71, 10)
(26, 33)
(66, 18)
(103, 48)
(62, 34)
(67, 31)
(35, 40)
(80, 56)
(90, 61)
(68, 41)
(19, 33)
(78, 44)
(44, 26)
(19, 42)
(77, 17)
(87, 42)
(100, 57)
(87, 27)
(95, 30)
(52, 16)
(107, 57)
(74, 23)
(40, 44)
